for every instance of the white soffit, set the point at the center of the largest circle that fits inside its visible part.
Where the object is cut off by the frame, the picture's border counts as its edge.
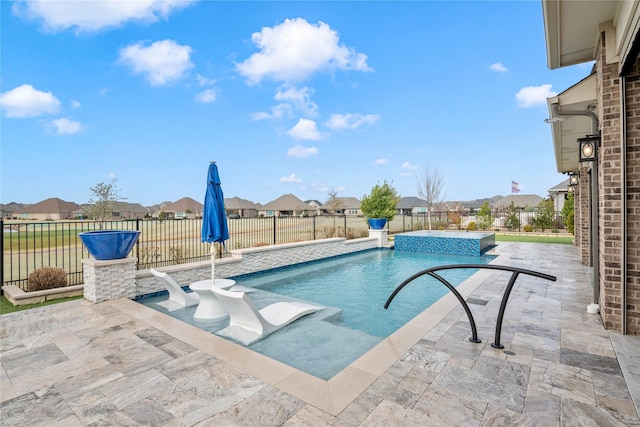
(572, 26)
(566, 130)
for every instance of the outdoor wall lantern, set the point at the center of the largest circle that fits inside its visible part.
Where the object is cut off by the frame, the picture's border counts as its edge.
(589, 147)
(573, 179)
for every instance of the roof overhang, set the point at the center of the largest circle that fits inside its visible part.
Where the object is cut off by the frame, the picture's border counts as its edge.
(572, 29)
(567, 128)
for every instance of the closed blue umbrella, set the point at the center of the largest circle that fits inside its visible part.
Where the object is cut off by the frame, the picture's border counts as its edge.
(214, 219)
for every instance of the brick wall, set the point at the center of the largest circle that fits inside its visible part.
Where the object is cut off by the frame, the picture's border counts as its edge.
(633, 198)
(609, 188)
(582, 229)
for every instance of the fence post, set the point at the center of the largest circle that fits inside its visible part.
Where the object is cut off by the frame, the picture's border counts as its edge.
(138, 244)
(345, 226)
(274, 229)
(314, 227)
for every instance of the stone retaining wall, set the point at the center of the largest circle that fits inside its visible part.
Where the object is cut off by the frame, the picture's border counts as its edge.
(252, 260)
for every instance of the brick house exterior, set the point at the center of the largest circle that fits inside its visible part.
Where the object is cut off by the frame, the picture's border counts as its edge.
(607, 197)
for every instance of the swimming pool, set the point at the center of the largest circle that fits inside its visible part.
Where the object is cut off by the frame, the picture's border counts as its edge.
(353, 288)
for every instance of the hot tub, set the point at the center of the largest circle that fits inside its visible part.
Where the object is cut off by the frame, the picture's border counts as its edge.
(445, 242)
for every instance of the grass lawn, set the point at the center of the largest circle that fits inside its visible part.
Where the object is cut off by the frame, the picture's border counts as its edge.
(533, 238)
(7, 307)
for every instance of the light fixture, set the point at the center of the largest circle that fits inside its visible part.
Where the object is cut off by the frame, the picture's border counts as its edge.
(589, 148)
(573, 178)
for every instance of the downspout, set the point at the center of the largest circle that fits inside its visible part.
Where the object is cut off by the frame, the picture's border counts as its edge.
(623, 204)
(594, 307)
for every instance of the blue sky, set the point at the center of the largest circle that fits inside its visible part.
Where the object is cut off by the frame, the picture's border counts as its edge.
(287, 97)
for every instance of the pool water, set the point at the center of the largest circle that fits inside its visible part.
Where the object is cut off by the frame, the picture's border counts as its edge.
(354, 289)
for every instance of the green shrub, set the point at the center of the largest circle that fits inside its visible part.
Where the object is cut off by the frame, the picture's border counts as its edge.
(472, 226)
(381, 202)
(178, 254)
(46, 278)
(441, 225)
(485, 219)
(528, 228)
(148, 255)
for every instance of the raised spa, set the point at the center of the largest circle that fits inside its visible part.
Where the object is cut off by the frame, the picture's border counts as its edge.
(445, 242)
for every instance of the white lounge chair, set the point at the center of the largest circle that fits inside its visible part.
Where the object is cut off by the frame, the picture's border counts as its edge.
(248, 324)
(178, 298)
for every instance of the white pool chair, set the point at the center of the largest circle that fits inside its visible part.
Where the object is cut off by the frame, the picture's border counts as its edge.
(178, 298)
(248, 324)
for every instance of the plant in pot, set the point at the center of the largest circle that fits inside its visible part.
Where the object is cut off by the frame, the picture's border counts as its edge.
(379, 206)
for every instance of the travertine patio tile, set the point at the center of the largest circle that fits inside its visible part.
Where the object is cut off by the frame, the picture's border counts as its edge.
(120, 363)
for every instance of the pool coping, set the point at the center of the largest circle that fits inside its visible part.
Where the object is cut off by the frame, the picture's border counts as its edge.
(332, 395)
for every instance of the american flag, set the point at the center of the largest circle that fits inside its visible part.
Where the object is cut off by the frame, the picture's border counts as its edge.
(515, 187)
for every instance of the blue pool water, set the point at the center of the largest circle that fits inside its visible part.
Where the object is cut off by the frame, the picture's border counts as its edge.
(354, 288)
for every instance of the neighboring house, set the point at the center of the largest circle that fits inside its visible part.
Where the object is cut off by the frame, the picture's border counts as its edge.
(9, 210)
(520, 201)
(604, 108)
(472, 205)
(287, 205)
(315, 203)
(49, 209)
(349, 206)
(243, 208)
(559, 193)
(121, 210)
(412, 206)
(183, 208)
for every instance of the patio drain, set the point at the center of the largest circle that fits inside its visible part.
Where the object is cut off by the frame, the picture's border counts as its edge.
(477, 301)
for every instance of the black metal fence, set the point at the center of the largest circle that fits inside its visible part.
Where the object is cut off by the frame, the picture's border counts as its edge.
(29, 245)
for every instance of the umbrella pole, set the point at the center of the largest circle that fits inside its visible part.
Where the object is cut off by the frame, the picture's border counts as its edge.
(213, 263)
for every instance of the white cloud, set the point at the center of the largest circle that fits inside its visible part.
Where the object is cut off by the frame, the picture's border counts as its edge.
(162, 62)
(300, 99)
(381, 162)
(277, 112)
(65, 126)
(350, 121)
(91, 16)
(206, 96)
(530, 96)
(302, 152)
(497, 66)
(296, 49)
(290, 179)
(75, 104)
(409, 166)
(204, 81)
(306, 129)
(26, 101)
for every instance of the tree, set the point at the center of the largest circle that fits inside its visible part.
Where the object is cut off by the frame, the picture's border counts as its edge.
(102, 200)
(430, 185)
(485, 219)
(333, 203)
(568, 213)
(381, 202)
(512, 221)
(545, 212)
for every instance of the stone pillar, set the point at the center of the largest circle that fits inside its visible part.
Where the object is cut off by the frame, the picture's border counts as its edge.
(381, 235)
(109, 280)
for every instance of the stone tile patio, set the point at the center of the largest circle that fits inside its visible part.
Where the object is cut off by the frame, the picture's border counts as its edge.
(119, 363)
